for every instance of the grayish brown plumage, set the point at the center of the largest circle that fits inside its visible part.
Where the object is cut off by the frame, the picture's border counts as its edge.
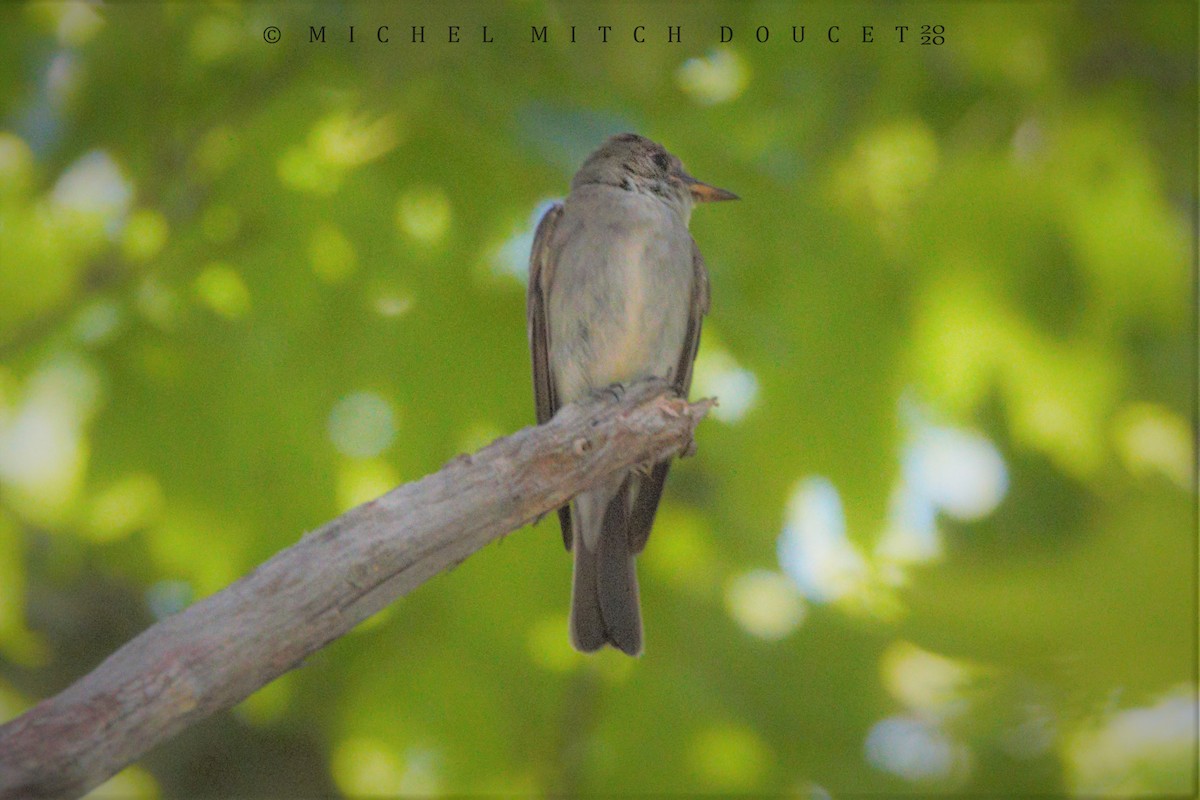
(617, 292)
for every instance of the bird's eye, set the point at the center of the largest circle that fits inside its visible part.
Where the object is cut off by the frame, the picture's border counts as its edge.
(662, 161)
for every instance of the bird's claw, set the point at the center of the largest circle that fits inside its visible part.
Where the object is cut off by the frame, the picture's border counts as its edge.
(617, 390)
(671, 406)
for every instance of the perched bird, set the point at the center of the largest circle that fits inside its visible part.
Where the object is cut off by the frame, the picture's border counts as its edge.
(617, 290)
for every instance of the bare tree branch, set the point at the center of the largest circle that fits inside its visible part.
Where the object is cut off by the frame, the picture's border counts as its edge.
(221, 649)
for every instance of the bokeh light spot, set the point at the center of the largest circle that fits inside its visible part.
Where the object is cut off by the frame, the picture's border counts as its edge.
(911, 535)
(717, 374)
(924, 681)
(765, 604)
(220, 287)
(916, 750)
(269, 704)
(719, 77)
(12, 704)
(144, 236)
(511, 258)
(814, 550)
(424, 214)
(347, 140)
(392, 304)
(477, 436)
(43, 451)
(76, 22)
(98, 321)
(1149, 750)
(889, 169)
(95, 192)
(362, 424)
(364, 767)
(130, 504)
(299, 170)
(683, 554)
(131, 783)
(362, 479)
(214, 37)
(16, 164)
(1151, 439)
(961, 473)
(168, 597)
(729, 758)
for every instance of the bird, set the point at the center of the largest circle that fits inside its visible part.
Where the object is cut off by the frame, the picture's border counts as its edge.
(617, 293)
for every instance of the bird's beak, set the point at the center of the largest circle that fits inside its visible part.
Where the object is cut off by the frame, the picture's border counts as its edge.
(707, 193)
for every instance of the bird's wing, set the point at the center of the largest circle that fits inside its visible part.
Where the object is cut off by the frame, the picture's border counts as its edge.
(641, 518)
(541, 274)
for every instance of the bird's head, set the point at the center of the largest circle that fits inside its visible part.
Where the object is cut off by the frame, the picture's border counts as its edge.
(635, 163)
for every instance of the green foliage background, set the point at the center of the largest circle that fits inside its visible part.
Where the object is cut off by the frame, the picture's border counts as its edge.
(305, 293)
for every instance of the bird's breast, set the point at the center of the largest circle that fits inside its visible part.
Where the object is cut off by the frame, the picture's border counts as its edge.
(621, 298)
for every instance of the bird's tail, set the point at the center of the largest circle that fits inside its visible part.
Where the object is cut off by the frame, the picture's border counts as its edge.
(604, 591)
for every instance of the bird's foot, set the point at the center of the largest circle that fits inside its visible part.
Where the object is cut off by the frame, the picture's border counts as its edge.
(617, 390)
(671, 406)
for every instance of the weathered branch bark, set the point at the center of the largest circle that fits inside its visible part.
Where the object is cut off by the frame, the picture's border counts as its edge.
(221, 649)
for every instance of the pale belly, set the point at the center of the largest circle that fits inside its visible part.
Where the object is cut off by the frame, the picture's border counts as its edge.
(619, 311)
(646, 343)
